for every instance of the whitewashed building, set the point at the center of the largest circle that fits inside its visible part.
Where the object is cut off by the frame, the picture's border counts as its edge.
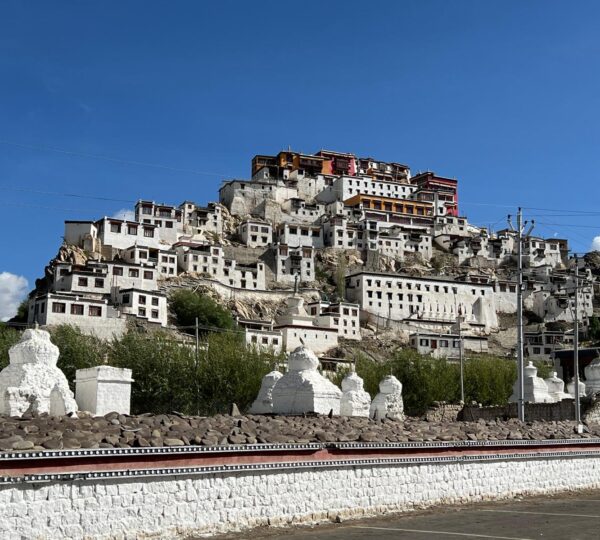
(298, 328)
(210, 262)
(343, 316)
(299, 235)
(255, 233)
(447, 345)
(261, 335)
(167, 219)
(401, 298)
(290, 262)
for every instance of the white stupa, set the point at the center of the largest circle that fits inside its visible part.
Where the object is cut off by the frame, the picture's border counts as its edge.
(388, 403)
(592, 377)
(556, 388)
(32, 382)
(263, 404)
(534, 387)
(355, 401)
(303, 389)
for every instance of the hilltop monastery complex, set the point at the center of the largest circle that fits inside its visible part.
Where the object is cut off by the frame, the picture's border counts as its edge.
(268, 236)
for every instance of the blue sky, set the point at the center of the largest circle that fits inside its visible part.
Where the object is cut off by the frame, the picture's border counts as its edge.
(502, 95)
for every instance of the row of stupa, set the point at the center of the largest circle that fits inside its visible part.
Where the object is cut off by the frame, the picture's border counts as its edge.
(552, 389)
(303, 389)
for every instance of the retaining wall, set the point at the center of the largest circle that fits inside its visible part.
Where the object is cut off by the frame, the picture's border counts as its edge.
(561, 410)
(175, 503)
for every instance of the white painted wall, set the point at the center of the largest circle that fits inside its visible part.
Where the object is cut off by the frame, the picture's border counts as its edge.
(187, 505)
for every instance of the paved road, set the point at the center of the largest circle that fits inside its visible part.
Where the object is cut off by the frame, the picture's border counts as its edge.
(566, 517)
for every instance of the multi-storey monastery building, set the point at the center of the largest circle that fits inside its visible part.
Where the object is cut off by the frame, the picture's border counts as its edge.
(265, 233)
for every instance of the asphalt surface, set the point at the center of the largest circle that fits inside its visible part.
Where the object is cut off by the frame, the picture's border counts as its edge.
(573, 516)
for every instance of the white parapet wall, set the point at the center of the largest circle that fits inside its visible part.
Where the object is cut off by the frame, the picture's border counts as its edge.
(181, 505)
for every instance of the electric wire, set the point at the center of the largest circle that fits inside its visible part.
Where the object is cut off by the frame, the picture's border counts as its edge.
(108, 158)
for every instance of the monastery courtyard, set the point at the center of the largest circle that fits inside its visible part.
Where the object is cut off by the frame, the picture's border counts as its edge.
(573, 516)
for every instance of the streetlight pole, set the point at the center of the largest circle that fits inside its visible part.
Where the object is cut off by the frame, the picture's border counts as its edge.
(520, 364)
(576, 349)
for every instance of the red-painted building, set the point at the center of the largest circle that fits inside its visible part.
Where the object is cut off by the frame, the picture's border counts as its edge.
(432, 187)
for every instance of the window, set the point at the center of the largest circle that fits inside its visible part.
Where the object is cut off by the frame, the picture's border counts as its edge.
(95, 311)
(115, 227)
(76, 309)
(155, 313)
(99, 283)
(59, 307)
(134, 272)
(148, 274)
(142, 312)
(143, 254)
(148, 233)
(82, 282)
(117, 271)
(126, 299)
(132, 229)
(142, 299)
(155, 301)
(265, 340)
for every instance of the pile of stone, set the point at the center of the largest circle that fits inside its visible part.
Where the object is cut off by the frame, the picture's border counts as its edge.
(44, 432)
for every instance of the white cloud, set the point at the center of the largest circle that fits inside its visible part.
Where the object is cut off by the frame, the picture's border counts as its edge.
(13, 289)
(595, 244)
(125, 214)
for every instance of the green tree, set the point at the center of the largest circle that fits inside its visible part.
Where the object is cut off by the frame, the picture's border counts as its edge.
(8, 337)
(162, 369)
(168, 375)
(77, 350)
(594, 331)
(230, 372)
(488, 379)
(188, 305)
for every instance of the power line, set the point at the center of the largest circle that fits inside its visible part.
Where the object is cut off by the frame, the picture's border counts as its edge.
(62, 194)
(109, 158)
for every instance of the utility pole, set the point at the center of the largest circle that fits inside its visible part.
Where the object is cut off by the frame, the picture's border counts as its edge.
(197, 363)
(576, 349)
(460, 347)
(520, 366)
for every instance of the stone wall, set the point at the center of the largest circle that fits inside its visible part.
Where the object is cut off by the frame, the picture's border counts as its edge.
(179, 506)
(562, 410)
(443, 412)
